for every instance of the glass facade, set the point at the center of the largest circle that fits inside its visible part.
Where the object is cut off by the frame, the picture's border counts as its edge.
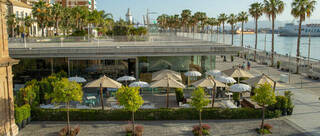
(29, 69)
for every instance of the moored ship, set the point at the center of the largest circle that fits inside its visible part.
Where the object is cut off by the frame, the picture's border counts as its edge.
(292, 30)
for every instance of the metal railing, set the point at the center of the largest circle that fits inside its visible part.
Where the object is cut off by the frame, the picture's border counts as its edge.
(165, 39)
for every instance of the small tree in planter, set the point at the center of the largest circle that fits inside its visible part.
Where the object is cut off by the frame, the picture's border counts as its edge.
(199, 100)
(290, 105)
(130, 98)
(264, 96)
(65, 91)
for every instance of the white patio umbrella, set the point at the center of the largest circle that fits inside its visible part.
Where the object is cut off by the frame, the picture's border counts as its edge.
(192, 74)
(225, 79)
(240, 88)
(139, 84)
(126, 78)
(214, 73)
(163, 73)
(77, 79)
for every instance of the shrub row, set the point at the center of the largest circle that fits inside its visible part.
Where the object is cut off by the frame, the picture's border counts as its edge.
(148, 114)
(22, 113)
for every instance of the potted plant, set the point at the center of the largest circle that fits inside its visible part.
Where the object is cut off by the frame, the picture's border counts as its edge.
(264, 96)
(65, 91)
(278, 64)
(131, 100)
(266, 129)
(199, 100)
(290, 106)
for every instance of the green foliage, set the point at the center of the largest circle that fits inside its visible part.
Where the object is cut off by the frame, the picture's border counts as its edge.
(288, 95)
(65, 91)
(236, 96)
(130, 98)
(79, 33)
(22, 113)
(39, 114)
(179, 94)
(264, 95)
(199, 99)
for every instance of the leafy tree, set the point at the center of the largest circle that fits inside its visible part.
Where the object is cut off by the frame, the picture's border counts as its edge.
(199, 100)
(272, 8)
(301, 9)
(256, 11)
(65, 91)
(264, 96)
(12, 22)
(130, 98)
(41, 12)
(242, 17)
(56, 13)
(232, 20)
(28, 94)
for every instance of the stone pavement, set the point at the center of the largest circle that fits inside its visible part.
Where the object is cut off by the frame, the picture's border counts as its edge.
(306, 99)
(163, 128)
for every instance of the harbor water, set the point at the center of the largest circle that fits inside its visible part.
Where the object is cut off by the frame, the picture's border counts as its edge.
(283, 45)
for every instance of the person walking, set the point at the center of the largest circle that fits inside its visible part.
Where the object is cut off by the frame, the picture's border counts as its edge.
(248, 65)
(243, 65)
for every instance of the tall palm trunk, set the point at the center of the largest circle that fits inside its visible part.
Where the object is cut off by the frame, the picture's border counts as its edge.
(242, 33)
(68, 119)
(132, 119)
(42, 33)
(262, 122)
(298, 45)
(256, 42)
(223, 31)
(272, 44)
(232, 29)
(200, 124)
(12, 30)
(57, 29)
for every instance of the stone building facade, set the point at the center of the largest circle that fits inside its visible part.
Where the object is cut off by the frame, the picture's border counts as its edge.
(7, 121)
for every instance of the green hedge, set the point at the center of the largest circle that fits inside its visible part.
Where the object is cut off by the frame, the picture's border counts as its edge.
(22, 113)
(148, 114)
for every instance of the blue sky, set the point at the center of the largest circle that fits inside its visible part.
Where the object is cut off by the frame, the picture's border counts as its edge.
(212, 7)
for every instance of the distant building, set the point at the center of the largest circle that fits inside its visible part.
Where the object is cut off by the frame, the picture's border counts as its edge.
(129, 16)
(91, 4)
(21, 9)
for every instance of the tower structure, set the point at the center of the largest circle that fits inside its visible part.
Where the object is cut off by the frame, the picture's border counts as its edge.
(129, 16)
(8, 126)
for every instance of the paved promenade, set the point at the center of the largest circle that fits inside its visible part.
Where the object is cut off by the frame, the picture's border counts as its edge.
(164, 128)
(307, 105)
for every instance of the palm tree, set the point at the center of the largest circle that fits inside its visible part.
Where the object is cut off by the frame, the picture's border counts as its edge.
(28, 21)
(163, 21)
(301, 9)
(67, 21)
(40, 11)
(232, 20)
(272, 8)
(256, 11)
(12, 23)
(201, 17)
(242, 17)
(57, 14)
(185, 17)
(223, 18)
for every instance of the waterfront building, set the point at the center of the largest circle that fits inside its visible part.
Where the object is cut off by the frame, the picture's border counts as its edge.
(21, 9)
(115, 58)
(8, 126)
(91, 4)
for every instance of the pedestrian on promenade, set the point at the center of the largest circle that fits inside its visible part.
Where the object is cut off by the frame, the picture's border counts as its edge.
(243, 65)
(248, 64)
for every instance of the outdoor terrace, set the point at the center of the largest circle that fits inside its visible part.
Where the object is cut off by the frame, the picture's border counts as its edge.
(168, 44)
